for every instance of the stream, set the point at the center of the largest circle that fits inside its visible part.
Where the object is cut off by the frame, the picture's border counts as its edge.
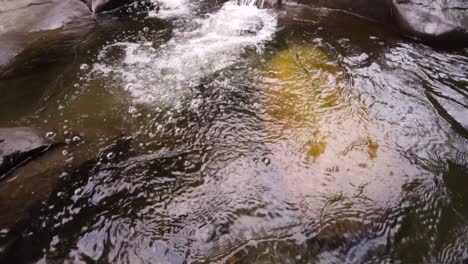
(212, 132)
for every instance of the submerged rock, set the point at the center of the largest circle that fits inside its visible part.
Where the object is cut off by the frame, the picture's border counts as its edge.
(29, 171)
(302, 85)
(26, 188)
(311, 117)
(29, 185)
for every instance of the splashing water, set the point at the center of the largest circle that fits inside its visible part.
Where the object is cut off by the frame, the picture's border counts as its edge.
(170, 9)
(258, 3)
(216, 43)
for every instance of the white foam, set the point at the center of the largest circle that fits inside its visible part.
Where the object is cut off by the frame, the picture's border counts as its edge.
(216, 43)
(170, 8)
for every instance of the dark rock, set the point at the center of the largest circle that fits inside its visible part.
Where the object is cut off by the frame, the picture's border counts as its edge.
(29, 170)
(99, 6)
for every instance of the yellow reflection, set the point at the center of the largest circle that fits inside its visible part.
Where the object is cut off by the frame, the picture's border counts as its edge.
(319, 132)
(302, 87)
(315, 148)
(372, 148)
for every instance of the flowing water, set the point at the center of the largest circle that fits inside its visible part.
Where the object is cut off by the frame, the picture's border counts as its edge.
(257, 136)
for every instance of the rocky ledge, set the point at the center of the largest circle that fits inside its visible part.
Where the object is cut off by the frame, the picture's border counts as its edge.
(24, 22)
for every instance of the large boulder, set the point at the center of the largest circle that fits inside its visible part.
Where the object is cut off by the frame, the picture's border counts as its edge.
(23, 21)
(429, 20)
(39, 15)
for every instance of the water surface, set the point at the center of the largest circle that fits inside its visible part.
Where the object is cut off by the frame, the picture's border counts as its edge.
(258, 136)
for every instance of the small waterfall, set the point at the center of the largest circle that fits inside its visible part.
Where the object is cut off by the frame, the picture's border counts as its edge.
(258, 3)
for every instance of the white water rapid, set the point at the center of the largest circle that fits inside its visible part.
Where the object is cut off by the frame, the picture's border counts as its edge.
(197, 49)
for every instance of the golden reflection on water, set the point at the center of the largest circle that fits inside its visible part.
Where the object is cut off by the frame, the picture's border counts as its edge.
(320, 134)
(304, 87)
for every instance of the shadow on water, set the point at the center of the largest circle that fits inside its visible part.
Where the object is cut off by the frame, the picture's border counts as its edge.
(335, 142)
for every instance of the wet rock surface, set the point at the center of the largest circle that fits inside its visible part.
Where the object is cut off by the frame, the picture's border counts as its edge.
(27, 25)
(18, 144)
(25, 188)
(29, 184)
(29, 170)
(439, 21)
(19, 139)
(21, 22)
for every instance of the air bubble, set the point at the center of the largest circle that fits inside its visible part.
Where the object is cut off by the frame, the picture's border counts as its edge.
(110, 155)
(50, 135)
(132, 110)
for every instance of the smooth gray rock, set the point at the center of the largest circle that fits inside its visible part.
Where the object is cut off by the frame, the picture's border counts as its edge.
(18, 144)
(425, 19)
(39, 15)
(270, 3)
(23, 21)
(379, 10)
(19, 139)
